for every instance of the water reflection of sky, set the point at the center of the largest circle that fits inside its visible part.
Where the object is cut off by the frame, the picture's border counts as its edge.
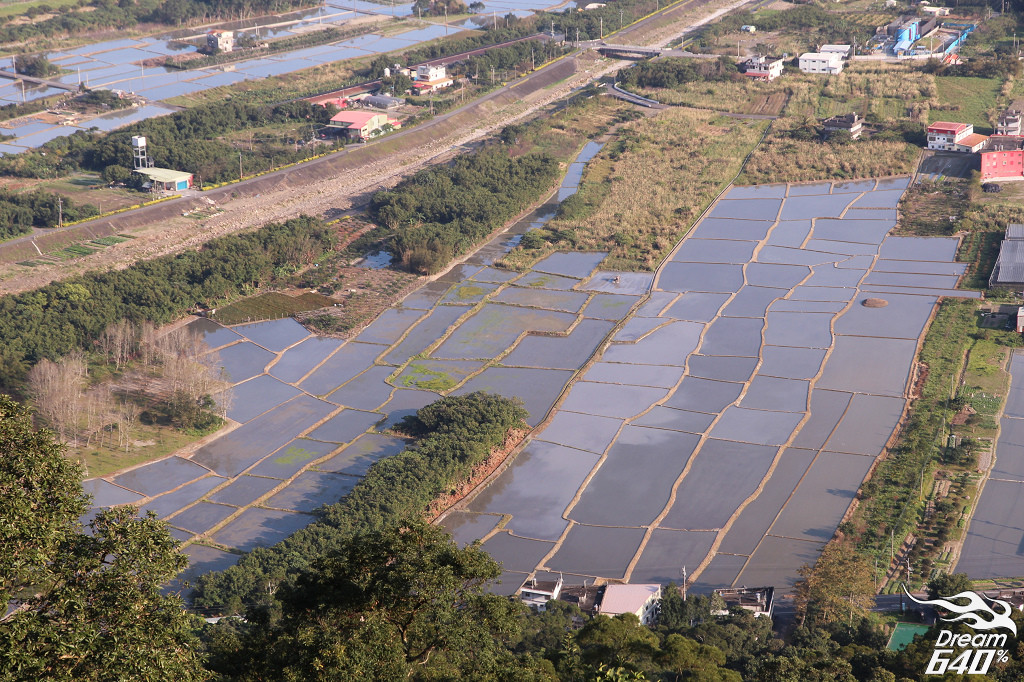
(112, 64)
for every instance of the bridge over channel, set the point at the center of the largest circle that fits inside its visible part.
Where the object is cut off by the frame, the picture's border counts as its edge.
(41, 81)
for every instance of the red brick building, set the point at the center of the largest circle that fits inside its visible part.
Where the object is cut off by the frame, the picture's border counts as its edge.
(1002, 158)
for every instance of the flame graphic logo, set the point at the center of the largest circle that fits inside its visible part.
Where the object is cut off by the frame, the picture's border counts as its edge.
(971, 614)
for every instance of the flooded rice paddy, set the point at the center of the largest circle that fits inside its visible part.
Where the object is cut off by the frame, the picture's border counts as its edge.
(726, 412)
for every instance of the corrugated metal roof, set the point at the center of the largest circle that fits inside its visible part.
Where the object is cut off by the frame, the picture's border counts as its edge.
(1015, 231)
(165, 174)
(1009, 268)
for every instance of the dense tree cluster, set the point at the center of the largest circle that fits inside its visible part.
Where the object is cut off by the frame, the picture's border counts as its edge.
(88, 15)
(454, 435)
(190, 140)
(74, 313)
(799, 18)
(442, 211)
(1001, 67)
(81, 604)
(668, 73)
(20, 212)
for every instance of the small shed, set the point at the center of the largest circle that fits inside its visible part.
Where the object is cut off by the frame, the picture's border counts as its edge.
(167, 179)
(749, 28)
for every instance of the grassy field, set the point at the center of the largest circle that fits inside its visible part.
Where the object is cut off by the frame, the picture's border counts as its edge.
(969, 100)
(646, 188)
(11, 9)
(270, 306)
(782, 158)
(149, 442)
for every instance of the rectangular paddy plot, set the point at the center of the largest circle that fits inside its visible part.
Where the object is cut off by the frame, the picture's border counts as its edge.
(617, 282)
(345, 426)
(468, 527)
(538, 388)
(994, 545)
(707, 277)
(202, 516)
(390, 326)
(468, 293)
(495, 328)
(275, 335)
(676, 420)
(760, 427)
(755, 519)
(516, 553)
(569, 352)
(724, 228)
(582, 431)
(254, 397)
(639, 327)
(658, 376)
(297, 454)
(668, 551)
(747, 209)
(214, 335)
(362, 453)
(697, 307)
(616, 497)
(776, 561)
(704, 395)
(298, 361)
(168, 503)
(311, 490)
(708, 496)
(669, 345)
(536, 489)
(721, 368)
(609, 306)
(867, 425)
(160, 476)
(236, 451)
(350, 360)
(243, 360)
(543, 280)
(822, 498)
(437, 375)
(869, 365)
(714, 251)
(368, 391)
(106, 494)
(257, 527)
(588, 550)
(721, 572)
(425, 333)
(576, 264)
(622, 402)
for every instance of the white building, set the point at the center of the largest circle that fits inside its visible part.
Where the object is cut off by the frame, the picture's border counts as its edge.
(537, 593)
(821, 62)
(220, 40)
(763, 68)
(640, 599)
(425, 72)
(945, 135)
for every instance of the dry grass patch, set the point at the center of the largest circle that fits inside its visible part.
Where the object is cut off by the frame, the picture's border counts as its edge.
(740, 96)
(781, 158)
(646, 188)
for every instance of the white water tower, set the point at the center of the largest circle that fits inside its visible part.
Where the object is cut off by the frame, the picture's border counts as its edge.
(140, 157)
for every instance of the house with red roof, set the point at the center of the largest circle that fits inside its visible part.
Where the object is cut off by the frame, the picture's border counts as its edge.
(944, 136)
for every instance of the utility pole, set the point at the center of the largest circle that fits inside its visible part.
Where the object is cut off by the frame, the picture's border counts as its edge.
(577, 36)
(533, 60)
(601, 19)
(446, 19)
(620, 18)
(684, 583)
(60, 212)
(239, 166)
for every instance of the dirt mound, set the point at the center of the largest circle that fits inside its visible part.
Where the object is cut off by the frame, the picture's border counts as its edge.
(874, 303)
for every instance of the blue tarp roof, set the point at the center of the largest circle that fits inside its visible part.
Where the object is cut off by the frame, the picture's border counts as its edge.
(903, 45)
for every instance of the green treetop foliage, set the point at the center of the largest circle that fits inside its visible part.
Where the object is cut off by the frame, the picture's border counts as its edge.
(668, 73)
(403, 603)
(443, 211)
(81, 604)
(50, 321)
(947, 585)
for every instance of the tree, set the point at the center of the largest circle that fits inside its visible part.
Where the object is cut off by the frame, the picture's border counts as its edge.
(395, 604)
(838, 587)
(947, 585)
(81, 606)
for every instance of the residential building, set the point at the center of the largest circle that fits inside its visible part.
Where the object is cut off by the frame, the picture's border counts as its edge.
(223, 41)
(758, 600)
(970, 143)
(426, 72)
(362, 124)
(936, 11)
(537, 593)
(1002, 158)
(1009, 123)
(1009, 268)
(851, 123)
(763, 68)
(818, 62)
(640, 599)
(943, 135)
